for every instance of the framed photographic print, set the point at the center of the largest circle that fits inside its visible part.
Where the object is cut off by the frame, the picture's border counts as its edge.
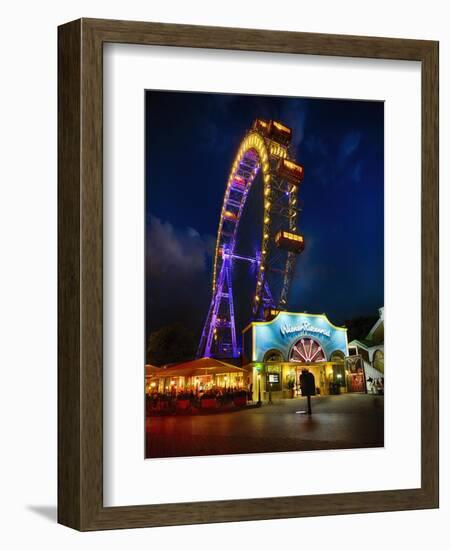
(248, 274)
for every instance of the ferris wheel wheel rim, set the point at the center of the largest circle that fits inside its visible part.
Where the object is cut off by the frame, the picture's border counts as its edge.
(253, 141)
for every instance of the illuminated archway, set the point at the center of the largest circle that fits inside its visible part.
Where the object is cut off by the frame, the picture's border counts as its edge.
(307, 350)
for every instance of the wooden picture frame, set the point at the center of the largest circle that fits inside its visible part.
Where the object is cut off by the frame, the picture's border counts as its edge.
(80, 271)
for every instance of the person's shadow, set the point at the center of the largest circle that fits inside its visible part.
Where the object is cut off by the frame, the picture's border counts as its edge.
(47, 512)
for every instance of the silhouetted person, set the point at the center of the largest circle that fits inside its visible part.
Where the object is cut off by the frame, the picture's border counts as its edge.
(308, 386)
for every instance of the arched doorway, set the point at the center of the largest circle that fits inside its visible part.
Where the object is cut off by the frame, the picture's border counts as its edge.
(337, 356)
(273, 356)
(378, 361)
(307, 352)
(338, 376)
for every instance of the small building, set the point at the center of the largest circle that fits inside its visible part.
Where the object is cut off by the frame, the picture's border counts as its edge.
(371, 350)
(276, 351)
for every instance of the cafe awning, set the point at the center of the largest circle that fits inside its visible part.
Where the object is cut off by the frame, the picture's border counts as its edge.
(152, 371)
(200, 367)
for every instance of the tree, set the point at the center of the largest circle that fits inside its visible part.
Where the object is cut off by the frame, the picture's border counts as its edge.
(171, 344)
(359, 327)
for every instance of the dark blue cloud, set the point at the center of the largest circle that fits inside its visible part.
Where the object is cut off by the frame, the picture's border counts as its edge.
(350, 144)
(178, 270)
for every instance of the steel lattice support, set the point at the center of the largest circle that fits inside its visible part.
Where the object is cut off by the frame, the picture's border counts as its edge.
(219, 333)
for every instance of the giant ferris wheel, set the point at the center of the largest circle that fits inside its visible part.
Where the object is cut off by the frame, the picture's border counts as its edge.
(265, 149)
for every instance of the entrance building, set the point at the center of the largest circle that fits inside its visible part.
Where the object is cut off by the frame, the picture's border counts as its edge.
(276, 351)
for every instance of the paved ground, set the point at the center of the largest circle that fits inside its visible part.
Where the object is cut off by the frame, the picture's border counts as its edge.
(337, 422)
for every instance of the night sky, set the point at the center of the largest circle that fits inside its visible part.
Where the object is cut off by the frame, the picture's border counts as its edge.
(191, 140)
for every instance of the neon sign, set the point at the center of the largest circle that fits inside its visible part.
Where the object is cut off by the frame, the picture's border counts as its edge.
(304, 328)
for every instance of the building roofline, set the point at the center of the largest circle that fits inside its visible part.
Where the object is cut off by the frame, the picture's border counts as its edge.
(365, 346)
(290, 313)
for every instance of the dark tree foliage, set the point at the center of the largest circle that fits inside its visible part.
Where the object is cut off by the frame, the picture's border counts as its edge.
(171, 344)
(359, 328)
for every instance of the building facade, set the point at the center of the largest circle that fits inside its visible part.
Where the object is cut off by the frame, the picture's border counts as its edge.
(371, 350)
(276, 351)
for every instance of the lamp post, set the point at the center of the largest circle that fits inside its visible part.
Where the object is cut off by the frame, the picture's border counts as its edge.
(259, 390)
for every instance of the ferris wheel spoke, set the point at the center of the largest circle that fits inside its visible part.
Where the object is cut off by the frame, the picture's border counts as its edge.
(316, 352)
(300, 353)
(304, 350)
